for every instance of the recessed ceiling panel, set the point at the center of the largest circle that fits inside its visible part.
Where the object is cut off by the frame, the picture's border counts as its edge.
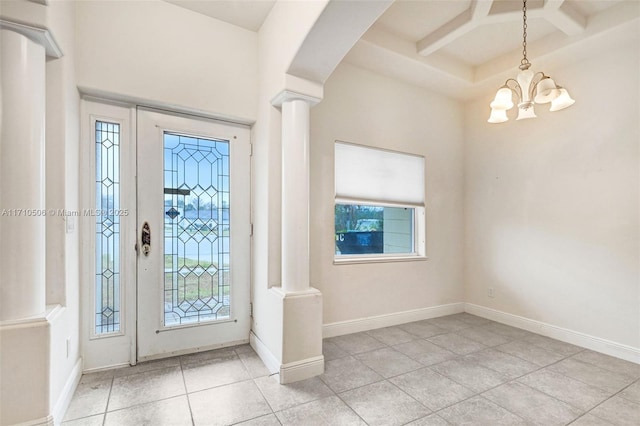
(488, 42)
(501, 6)
(414, 19)
(590, 8)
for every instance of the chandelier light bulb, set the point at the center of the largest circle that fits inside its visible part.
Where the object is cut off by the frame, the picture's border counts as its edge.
(503, 99)
(498, 116)
(562, 101)
(546, 91)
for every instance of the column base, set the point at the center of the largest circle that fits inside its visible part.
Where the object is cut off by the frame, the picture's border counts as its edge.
(301, 370)
(301, 337)
(24, 368)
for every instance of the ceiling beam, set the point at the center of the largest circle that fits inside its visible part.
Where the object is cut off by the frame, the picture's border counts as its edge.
(455, 28)
(480, 8)
(446, 34)
(477, 15)
(564, 17)
(560, 14)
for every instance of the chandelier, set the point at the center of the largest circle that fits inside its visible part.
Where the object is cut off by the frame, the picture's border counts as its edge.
(529, 88)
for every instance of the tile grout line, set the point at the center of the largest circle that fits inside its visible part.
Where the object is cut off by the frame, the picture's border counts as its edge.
(186, 391)
(106, 408)
(577, 380)
(627, 387)
(584, 412)
(480, 394)
(537, 390)
(264, 397)
(611, 397)
(383, 379)
(253, 380)
(350, 408)
(592, 365)
(411, 396)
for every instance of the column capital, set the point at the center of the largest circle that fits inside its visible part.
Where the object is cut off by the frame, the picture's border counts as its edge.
(42, 36)
(288, 96)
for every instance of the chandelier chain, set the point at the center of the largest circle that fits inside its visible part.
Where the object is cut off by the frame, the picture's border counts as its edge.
(524, 63)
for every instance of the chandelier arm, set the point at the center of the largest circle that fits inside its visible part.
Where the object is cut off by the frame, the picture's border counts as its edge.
(515, 88)
(537, 78)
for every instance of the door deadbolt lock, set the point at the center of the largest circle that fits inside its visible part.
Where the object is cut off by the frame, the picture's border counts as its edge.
(146, 239)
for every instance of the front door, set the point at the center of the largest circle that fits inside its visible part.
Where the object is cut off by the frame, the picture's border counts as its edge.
(193, 211)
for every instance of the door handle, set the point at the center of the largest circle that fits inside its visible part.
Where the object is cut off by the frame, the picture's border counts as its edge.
(146, 239)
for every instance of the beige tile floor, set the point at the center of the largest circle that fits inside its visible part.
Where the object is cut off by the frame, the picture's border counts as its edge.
(454, 370)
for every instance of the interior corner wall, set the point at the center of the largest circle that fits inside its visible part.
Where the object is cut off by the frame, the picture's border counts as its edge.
(365, 108)
(62, 189)
(166, 55)
(278, 41)
(552, 204)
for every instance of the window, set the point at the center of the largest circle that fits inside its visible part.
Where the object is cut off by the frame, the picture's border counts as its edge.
(363, 229)
(107, 225)
(379, 205)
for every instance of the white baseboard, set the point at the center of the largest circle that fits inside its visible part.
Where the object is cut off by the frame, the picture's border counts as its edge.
(291, 372)
(69, 389)
(301, 370)
(388, 320)
(270, 361)
(597, 344)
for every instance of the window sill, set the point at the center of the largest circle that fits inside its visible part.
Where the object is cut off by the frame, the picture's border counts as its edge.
(351, 260)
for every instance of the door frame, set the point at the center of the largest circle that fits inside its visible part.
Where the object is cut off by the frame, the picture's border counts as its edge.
(120, 349)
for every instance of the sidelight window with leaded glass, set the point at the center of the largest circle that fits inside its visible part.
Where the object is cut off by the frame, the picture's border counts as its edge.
(107, 225)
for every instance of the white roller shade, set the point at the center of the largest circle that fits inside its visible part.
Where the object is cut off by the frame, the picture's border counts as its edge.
(378, 175)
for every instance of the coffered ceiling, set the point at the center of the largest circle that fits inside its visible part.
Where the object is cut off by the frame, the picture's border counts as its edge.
(462, 48)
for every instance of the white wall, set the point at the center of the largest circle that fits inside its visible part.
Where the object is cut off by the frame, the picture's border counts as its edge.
(45, 361)
(365, 108)
(552, 204)
(62, 188)
(161, 53)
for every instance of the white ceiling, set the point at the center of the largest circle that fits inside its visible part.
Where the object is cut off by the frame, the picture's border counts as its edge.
(248, 14)
(462, 48)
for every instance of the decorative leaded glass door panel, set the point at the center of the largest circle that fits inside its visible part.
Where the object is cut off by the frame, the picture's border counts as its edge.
(193, 212)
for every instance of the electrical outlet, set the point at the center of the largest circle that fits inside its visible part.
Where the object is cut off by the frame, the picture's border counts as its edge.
(490, 292)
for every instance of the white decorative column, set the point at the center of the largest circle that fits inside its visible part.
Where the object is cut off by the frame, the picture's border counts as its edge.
(24, 323)
(295, 196)
(301, 304)
(22, 190)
